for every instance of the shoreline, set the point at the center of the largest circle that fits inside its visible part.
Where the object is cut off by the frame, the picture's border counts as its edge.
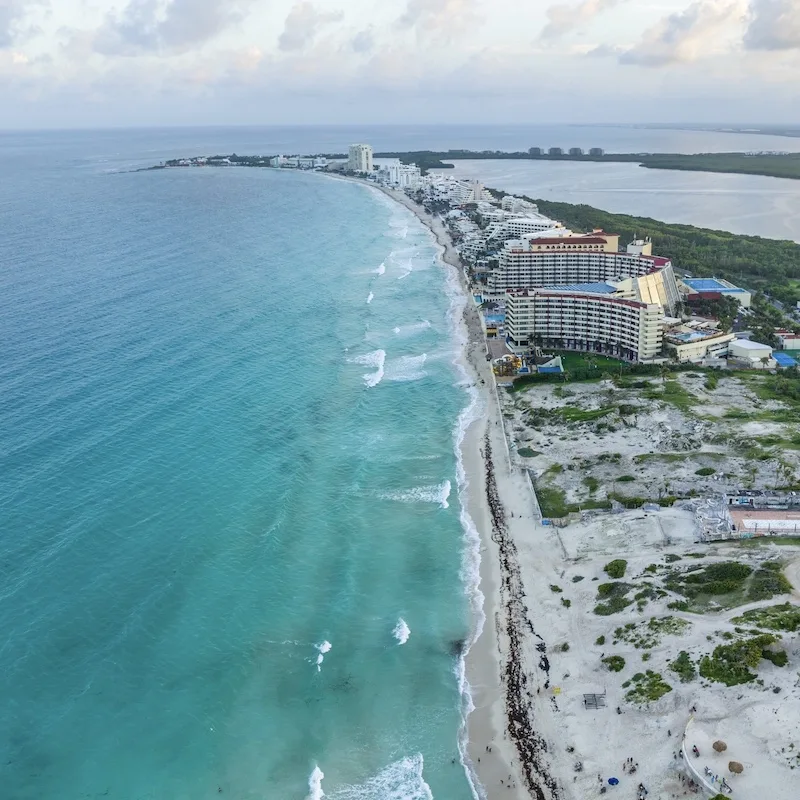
(503, 749)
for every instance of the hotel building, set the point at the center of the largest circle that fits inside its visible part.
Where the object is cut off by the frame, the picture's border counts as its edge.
(586, 318)
(360, 158)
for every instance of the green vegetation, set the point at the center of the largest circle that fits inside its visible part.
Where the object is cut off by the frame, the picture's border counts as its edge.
(616, 568)
(555, 588)
(564, 647)
(614, 663)
(647, 687)
(678, 605)
(684, 667)
(713, 579)
(674, 394)
(671, 558)
(705, 471)
(626, 479)
(731, 663)
(646, 635)
(783, 617)
(572, 414)
(591, 483)
(768, 582)
(566, 602)
(577, 578)
(526, 452)
(600, 640)
(614, 598)
(778, 657)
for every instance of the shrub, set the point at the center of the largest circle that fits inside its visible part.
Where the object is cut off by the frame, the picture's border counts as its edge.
(645, 656)
(767, 582)
(526, 452)
(684, 667)
(777, 657)
(651, 568)
(556, 589)
(626, 479)
(600, 640)
(784, 617)
(705, 471)
(564, 647)
(616, 568)
(731, 663)
(566, 602)
(577, 578)
(671, 558)
(678, 605)
(614, 663)
(647, 688)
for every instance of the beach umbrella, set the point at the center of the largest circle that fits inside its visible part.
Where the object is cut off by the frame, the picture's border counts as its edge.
(735, 766)
(720, 746)
(613, 781)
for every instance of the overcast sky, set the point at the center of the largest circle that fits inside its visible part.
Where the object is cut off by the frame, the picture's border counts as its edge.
(86, 63)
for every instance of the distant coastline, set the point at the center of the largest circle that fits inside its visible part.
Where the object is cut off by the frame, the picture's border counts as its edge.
(768, 164)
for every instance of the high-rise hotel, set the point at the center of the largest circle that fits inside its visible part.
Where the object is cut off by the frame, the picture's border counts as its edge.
(360, 159)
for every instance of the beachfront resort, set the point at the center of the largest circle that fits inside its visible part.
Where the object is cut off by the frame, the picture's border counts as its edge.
(640, 507)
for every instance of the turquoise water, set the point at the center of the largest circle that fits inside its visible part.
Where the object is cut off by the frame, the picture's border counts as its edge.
(231, 541)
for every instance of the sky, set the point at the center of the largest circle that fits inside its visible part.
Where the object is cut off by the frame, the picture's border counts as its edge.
(110, 63)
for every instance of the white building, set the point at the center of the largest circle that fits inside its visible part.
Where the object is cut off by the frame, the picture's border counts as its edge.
(539, 261)
(517, 205)
(585, 320)
(753, 354)
(402, 176)
(360, 159)
(518, 227)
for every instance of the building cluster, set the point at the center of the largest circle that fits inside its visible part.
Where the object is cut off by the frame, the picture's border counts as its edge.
(299, 162)
(559, 151)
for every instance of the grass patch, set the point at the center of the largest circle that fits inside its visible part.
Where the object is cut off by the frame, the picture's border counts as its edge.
(784, 617)
(647, 687)
(712, 580)
(731, 664)
(591, 483)
(684, 667)
(705, 471)
(626, 479)
(616, 568)
(614, 663)
(572, 414)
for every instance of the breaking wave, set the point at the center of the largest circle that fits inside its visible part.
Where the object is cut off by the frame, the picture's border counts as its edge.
(422, 494)
(402, 780)
(377, 359)
(401, 631)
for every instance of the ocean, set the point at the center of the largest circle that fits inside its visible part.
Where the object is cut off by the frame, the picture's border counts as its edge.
(233, 553)
(234, 556)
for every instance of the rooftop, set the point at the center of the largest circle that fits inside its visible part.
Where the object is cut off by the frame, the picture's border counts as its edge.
(595, 288)
(748, 345)
(711, 285)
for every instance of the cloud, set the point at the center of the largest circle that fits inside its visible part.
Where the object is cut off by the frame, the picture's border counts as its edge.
(363, 41)
(686, 36)
(303, 24)
(564, 18)
(773, 25)
(12, 15)
(174, 26)
(438, 17)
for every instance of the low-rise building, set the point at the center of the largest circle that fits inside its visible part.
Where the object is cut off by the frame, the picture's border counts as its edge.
(751, 354)
(713, 289)
(788, 340)
(696, 343)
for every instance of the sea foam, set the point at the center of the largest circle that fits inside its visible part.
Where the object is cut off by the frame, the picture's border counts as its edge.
(402, 780)
(315, 784)
(401, 631)
(381, 269)
(422, 494)
(407, 368)
(322, 648)
(377, 359)
(369, 298)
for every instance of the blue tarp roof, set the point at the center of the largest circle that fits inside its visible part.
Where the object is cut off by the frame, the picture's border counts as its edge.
(784, 360)
(595, 288)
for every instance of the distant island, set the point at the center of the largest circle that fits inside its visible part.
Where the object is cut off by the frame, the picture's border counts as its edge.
(773, 165)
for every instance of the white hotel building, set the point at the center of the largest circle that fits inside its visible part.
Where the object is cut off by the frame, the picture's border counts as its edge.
(578, 293)
(360, 158)
(584, 320)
